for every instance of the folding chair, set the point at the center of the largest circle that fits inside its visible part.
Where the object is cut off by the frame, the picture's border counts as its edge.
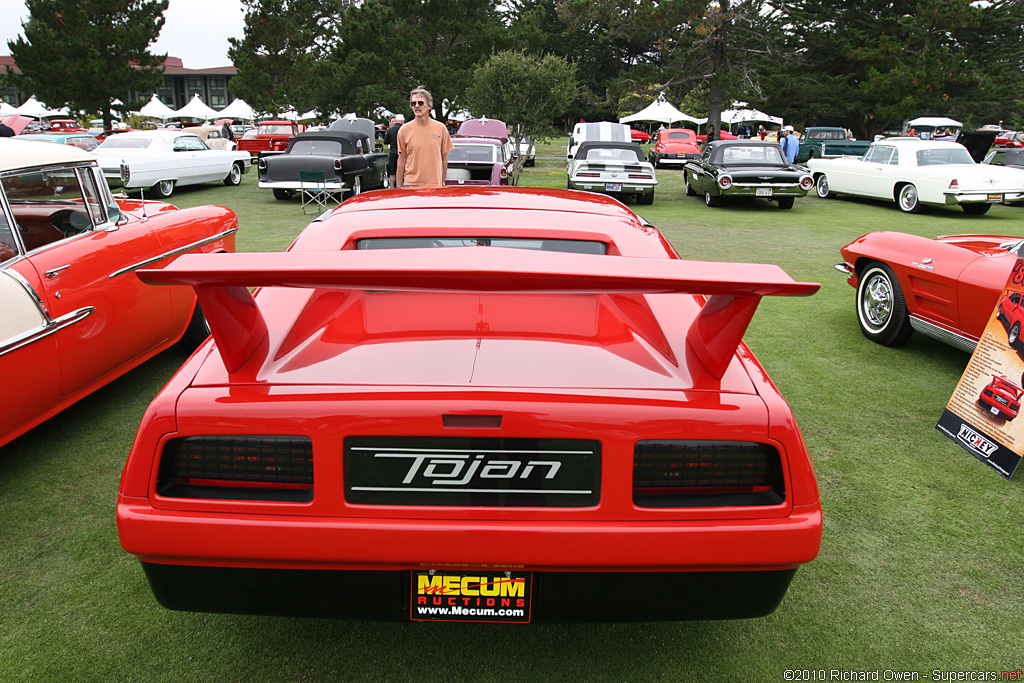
(313, 191)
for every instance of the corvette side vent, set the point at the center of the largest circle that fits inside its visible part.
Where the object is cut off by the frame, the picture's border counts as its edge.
(271, 468)
(706, 474)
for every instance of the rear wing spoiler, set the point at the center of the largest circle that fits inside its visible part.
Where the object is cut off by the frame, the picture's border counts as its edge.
(222, 284)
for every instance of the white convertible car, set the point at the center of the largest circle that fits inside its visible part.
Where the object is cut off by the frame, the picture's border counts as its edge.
(165, 159)
(911, 171)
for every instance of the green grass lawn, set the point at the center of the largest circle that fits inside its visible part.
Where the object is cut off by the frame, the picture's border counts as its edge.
(921, 566)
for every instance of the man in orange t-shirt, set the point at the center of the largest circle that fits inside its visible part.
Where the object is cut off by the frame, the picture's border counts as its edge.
(423, 146)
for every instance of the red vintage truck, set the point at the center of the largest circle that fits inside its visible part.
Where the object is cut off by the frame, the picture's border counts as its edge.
(269, 136)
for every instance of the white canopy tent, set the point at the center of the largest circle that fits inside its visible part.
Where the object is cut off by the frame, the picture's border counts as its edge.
(741, 113)
(155, 109)
(197, 109)
(6, 109)
(35, 108)
(661, 111)
(238, 109)
(936, 122)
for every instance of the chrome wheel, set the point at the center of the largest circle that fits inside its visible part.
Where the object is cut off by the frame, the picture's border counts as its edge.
(907, 199)
(881, 309)
(164, 188)
(821, 186)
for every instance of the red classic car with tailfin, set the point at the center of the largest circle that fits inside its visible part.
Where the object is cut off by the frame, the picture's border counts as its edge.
(473, 404)
(74, 315)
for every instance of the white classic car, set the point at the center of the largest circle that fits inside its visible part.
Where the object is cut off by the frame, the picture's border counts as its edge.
(166, 158)
(911, 171)
(619, 169)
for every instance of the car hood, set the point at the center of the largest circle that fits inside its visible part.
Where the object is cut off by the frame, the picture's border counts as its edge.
(478, 340)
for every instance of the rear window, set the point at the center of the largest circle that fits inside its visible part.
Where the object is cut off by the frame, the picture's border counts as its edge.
(571, 246)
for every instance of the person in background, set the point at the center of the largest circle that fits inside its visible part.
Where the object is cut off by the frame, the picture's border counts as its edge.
(761, 132)
(790, 144)
(391, 140)
(423, 146)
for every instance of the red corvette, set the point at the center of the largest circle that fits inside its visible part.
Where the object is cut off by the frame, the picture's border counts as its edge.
(74, 315)
(945, 287)
(472, 404)
(1002, 397)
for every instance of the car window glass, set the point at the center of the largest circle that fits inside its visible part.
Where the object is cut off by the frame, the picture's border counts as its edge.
(47, 206)
(483, 153)
(8, 247)
(751, 154)
(943, 156)
(572, 246)
(322, 147)
(91, 196)
(86, 142)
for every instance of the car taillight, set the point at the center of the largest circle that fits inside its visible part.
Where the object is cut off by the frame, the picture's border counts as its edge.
(725, 182)
(587, 175)
(261, 164)
(640, 176)
(706, 474)
(807, 182)
(337, 165)
(503, 174)
(954, 185)
(278, 468)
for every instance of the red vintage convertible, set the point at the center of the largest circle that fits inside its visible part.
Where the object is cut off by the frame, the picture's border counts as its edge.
(945, 287)
(74, 315)
(472, 404)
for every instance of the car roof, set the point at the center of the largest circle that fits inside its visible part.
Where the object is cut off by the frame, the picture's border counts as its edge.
(349, 135)
(17, 154)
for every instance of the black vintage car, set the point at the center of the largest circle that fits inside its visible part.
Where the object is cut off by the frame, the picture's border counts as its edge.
(746, 168)
(344, 154)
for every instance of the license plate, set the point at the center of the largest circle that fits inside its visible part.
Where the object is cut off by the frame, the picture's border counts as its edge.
(994, 411)
(995, 198)
(468, 595)
(613, 187)
(763, 192)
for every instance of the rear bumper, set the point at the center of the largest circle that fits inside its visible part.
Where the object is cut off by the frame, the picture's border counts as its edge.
(751, 190)
(996, 196)
(333, 185)
(385, 595)
(308, 542)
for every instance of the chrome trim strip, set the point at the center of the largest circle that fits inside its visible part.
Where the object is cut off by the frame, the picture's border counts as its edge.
(40, 304)
(47, 330)
(173, 252)
(943, 335)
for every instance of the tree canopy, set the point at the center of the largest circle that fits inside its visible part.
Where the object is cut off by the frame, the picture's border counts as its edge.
(525, 91)
(85, 54)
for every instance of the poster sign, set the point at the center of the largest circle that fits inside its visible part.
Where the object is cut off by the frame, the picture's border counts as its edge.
(983, 416)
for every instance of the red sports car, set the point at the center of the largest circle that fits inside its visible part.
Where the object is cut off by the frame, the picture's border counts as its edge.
(1011, 314)
(1002, 397)
(722, 135)
(945, 287)
(74, 315)
(472, 404)
(674, 146)
(639, 136)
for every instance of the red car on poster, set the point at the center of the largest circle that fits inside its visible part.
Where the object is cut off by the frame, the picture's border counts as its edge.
(945, 287)
(473, 404)
(75, 316)
(1002, 397)
(1011, 314)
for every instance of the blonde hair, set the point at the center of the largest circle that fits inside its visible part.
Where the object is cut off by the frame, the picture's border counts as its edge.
(426, 95)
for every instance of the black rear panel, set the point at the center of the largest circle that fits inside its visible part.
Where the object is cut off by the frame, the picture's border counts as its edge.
(479, 472)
